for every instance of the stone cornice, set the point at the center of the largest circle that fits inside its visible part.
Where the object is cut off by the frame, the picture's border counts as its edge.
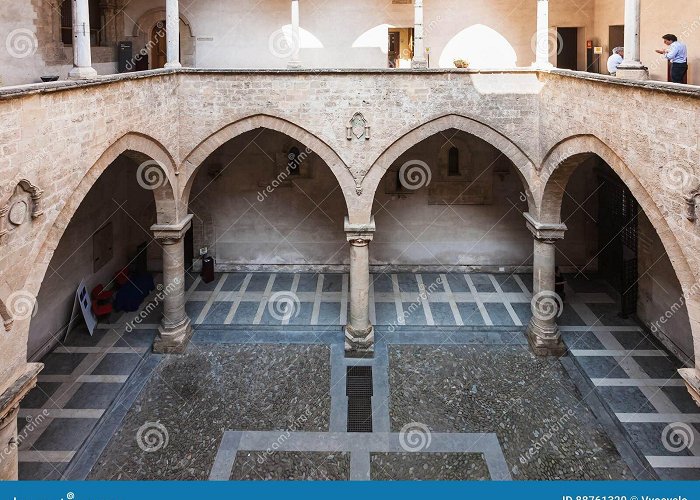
(41, 88)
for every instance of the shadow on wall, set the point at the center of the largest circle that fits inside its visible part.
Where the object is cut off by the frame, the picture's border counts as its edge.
(482, 46)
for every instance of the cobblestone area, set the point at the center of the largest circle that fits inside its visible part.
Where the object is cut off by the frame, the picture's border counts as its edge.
(192, 399)
(428, 466)
(544, 429)
(284, 465)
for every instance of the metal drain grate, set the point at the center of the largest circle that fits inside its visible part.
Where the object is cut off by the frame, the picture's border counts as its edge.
(359, 391)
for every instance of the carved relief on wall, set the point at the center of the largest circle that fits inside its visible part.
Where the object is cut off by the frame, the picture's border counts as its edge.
(357, 128)
(23, 205)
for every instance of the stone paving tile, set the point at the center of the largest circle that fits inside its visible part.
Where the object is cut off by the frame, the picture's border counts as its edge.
(626, 400)
(290, 465)
(136, 339)
(647, 437)
(117, 364)
(470, 313)
(635, 340)
(679, 397)
(45, 471)
(38, 396)
(658, 366)
(482, 283)
(307, 282)
(65, 434)
(283, 282)
(233, 282)
(382, 283)
(94, 395)
(258, 282)
(608, 315)
(428, 466)
(525, 400)
(210, 389)
(61, 363)
(208, 287)
(601, 367)
(193, 308)
(582, 340)
(499, 314)
(332, 282)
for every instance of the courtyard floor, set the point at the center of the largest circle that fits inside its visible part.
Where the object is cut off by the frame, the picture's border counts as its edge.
(456, 394)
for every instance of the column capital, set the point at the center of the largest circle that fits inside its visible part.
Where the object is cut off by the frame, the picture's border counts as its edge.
(172, 233)
(359, 235)
(544, 231)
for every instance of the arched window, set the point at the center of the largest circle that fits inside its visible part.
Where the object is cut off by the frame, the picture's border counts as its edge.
(96, 33)
(294, 161)
(453, 162)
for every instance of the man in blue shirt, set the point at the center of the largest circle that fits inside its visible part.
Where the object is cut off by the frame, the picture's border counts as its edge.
(677, 53)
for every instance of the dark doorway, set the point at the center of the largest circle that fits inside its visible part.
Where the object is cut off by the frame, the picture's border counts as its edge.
(617, 237)
(616, 37)
(567, 48)
(394, 48)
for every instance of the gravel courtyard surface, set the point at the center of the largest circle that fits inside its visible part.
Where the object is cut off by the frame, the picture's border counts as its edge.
(428, 466)
(283, 465)
(545, 430)
(190, 400)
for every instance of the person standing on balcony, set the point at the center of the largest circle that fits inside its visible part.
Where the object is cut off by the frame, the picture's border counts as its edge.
(677, 53)
(618, 55)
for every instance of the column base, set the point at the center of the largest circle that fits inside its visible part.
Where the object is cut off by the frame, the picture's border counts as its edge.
(632, 73)
(173, 340)
(78, 73)
(359, 344)
(545, 340)
(419, 64)
(294, 65)
(173, 65)
(691, 377)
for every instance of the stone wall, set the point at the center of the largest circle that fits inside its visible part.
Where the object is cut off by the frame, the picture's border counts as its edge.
(62, 136)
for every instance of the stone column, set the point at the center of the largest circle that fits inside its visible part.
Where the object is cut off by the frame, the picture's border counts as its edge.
(542, 49)
(82, 58)
(419, 60)
(359, 332)
(172, 33)
(543, 331)
(632, 66)
(175, 329)
(295, 62)
(9, 406)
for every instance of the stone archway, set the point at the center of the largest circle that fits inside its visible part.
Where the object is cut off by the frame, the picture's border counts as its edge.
(194, 159)
(157, 170)
(524, 166)
(148, 22)
(558, 166)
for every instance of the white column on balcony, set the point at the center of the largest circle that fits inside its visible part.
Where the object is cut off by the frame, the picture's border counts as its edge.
(542, 49)
(419, 60)
(172, 32)
(82, 58)
(295, 62)
(632, 66)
